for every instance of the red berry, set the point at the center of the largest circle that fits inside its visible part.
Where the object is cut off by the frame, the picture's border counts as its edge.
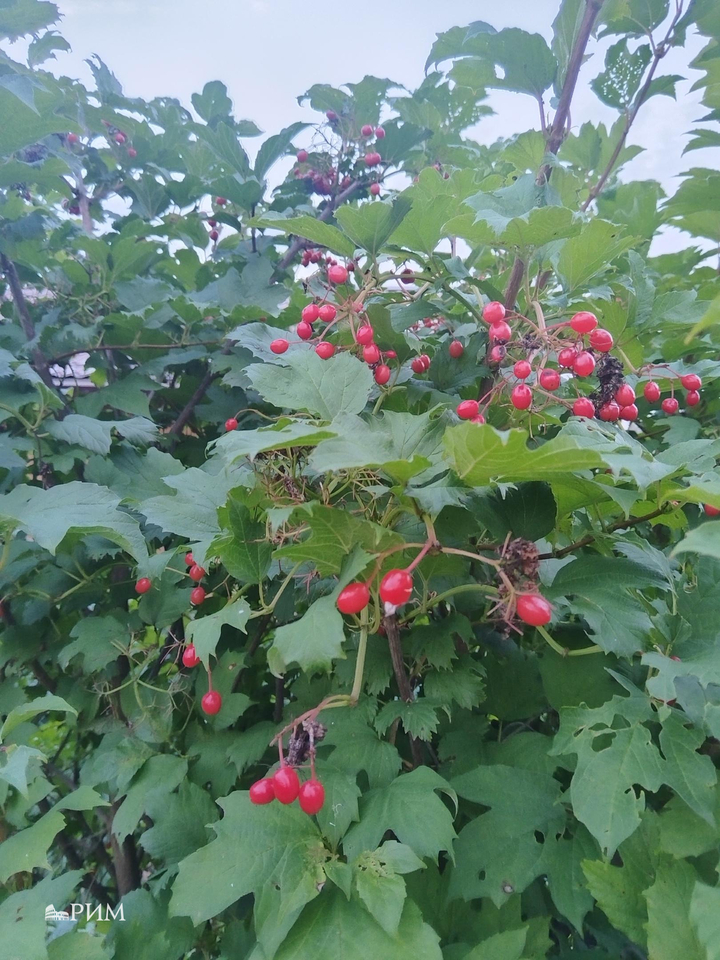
(279, 346)
(522, 369)
(353, 598)
(365, 334)
(196, 573)
(214, 235)
(382, 374)
(493, 312)
(711, 511)
(302, 156)
(72, 138)
(609, 411)
(371, 353)
(651, 391)
(380, 133)
(190, 657)
(534, 609)
(601, 340)
(550, 379)
(132, 152)
(670, 405)
(375, 189)
(625, 395)
(497, 354)
(337, 274)
(521, 396)
(426, 360)
(584, 407)
(693, 398)
(583, 322)
(417, 365)
(372, 159)
(324, 350)
(407, 276)
(197, 596)
(312, 797)
(567, 356)
(120, 138)
(691, 381)
(143, 585)
(350, 265)
(189, 559)
(391, 355)
(304, 330)
(262, 791)
(396, 587)
(310, 313)
(630, 412)
(478, 419)
(220, 201)
(231, 424)
(331, 115)
(286, 784)
(456, 349)
(211, 702)
(499, 331)
(366, 130)
(584, 364)
(467, 409)
(327, 312)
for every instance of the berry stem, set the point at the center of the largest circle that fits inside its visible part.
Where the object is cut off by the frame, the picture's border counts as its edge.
(360, 662)
(564, 651)
(462, 588)
(473, 556)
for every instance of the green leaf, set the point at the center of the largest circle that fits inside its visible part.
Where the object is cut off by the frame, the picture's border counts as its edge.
(669, 901)
(43, 48)
(310, 228)
(324, 388)
(419, 718)
(48, 516)
(34, 708)
(690, 774)
(410, 807)
(250, 844)
(370, 226)
(498, 853)
(381, 890)
(312, 642)
(509, 945)
(242, 548)
(18, 18)
(481, 454)
(617, 85)
(332, 536)
(205, 632)
(27, 850)
(275, 147)
(98, 640)
(23, 930)
(704, 914)
(583, 257)
(331, 926)
(160, 774)
(180, 822)
(704, 540)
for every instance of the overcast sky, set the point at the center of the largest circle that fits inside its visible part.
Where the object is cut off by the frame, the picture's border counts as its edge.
(270, 51)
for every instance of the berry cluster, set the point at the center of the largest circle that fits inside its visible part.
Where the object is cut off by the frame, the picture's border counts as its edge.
(327, 176)
(553, 361)
(285, 786)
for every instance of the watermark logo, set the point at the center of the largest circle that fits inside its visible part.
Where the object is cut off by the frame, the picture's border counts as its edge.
(78, 909)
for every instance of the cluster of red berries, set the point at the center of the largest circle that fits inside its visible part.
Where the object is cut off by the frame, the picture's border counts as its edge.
(196, 573)
(311, 256)
(117, 136)
(396, 588)
(613, 400)
(285, 786)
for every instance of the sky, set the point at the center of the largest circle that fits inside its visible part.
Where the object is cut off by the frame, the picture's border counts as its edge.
(268, 52)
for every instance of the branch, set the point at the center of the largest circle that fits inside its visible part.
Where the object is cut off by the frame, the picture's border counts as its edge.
(202, 388)
(26, 322)
(558, 129)
(299, 242)
(590, 537)
(659, 52)
(514, 283)
(125, 859)
(392, 631)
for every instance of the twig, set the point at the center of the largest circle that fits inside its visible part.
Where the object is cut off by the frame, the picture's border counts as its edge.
(590, 537)
(300, 242)
(392, 631)
(659, 51)
(514, 283)
(202, 388)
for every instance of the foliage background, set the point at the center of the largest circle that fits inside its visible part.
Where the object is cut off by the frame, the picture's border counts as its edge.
(520, 802)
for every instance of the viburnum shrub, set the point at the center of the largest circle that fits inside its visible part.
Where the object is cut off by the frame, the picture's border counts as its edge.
(360, 578)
